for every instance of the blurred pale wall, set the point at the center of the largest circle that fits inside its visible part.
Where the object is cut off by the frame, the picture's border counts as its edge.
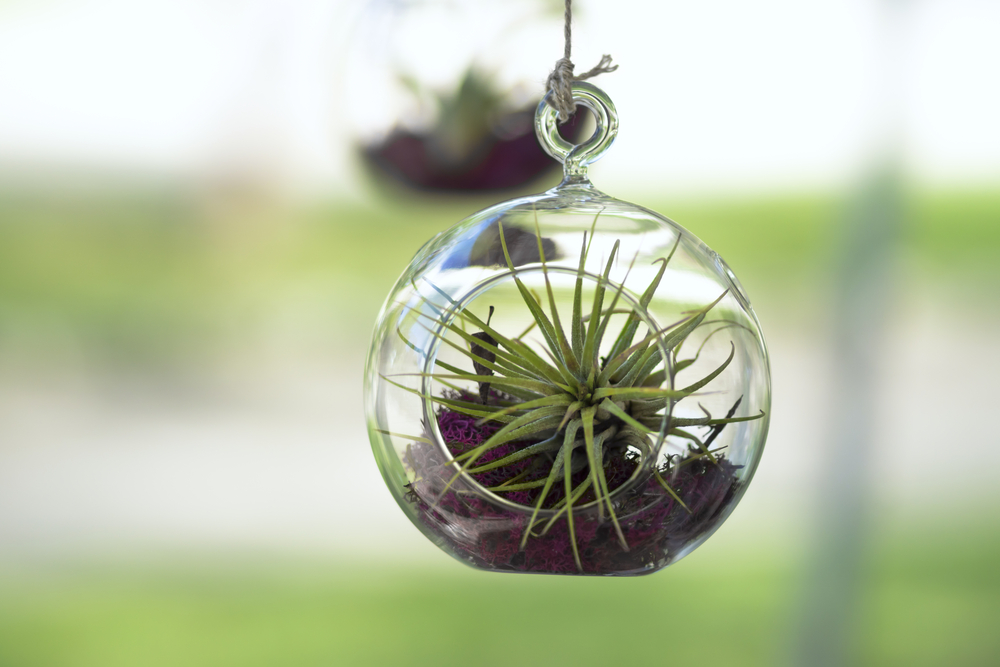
(713, 95)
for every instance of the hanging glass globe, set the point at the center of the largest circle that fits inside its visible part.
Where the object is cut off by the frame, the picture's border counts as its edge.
(440, 94)
(567, 382)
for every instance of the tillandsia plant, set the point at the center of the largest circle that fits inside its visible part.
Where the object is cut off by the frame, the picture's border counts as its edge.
(562, 432)
(478, 143)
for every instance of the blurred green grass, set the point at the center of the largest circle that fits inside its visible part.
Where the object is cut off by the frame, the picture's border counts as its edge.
(154, 275)
(926, 602)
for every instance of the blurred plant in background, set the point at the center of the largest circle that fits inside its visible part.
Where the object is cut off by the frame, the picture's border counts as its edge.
(437, 107)
(475, 144)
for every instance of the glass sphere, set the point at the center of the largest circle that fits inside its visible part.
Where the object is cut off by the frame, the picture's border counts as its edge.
(567, 382)
(440, 94)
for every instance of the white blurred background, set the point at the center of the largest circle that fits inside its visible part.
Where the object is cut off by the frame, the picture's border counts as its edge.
(720, 95)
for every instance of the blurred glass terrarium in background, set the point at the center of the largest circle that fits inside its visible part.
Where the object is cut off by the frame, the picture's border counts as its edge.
(442, 93)
(566, 382)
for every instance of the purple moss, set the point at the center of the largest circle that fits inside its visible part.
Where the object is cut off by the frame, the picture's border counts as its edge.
(654, 524)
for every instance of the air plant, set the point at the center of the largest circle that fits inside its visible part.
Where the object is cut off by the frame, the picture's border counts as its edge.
(476, 144)
(563, 427)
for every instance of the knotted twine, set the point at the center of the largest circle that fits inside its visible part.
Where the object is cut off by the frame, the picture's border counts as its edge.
(560, 81)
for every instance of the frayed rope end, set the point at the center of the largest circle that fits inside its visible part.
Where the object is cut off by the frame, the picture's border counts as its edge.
(560, 84)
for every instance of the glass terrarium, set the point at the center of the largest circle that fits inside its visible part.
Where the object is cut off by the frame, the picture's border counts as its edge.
(441, 93)
(566, 382)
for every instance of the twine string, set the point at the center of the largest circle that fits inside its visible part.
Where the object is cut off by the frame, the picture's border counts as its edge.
(560, 81)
